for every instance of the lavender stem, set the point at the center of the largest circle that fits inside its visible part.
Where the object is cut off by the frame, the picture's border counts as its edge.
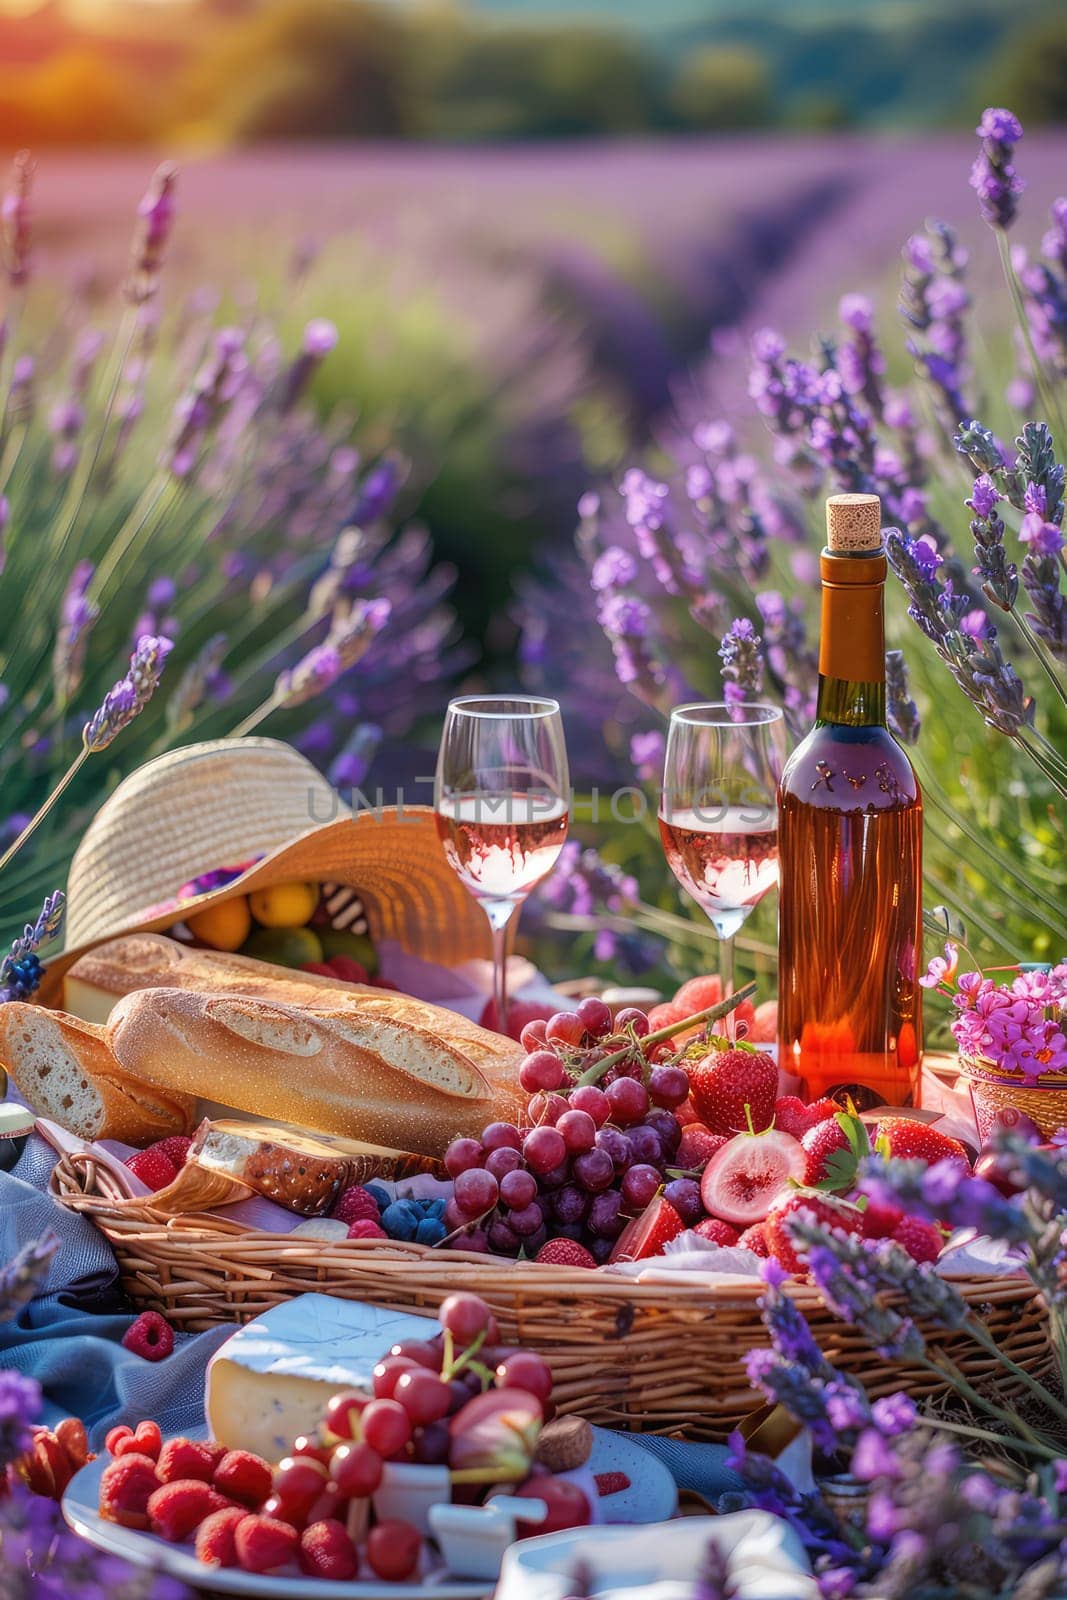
(1048, 400)
(39, 816)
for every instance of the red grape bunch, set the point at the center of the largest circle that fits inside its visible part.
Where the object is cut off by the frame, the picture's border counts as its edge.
(593, 1153)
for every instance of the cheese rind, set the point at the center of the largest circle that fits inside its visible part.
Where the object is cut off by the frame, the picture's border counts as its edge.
(272, 1379)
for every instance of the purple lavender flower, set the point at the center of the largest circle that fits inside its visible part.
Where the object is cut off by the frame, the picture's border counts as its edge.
(1000, 577)
(902, 714)
(993, 176)
(129, 696)
(860, 359)
(155, 215)
(646, 754)
(320, 337)
(22, 1279)
(76, 617)
(614, 569)
(20, 1406)
(742, 663)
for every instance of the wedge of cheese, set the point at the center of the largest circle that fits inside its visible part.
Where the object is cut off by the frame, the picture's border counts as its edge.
(272, 1379)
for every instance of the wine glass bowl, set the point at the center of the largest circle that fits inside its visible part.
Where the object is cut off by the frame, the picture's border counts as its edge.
(718, 816)
(501, 804)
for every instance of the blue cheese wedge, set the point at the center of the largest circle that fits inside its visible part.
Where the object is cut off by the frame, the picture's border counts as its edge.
(272, 1379)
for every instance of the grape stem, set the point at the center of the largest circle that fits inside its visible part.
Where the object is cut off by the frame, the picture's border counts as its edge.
(711, 1014)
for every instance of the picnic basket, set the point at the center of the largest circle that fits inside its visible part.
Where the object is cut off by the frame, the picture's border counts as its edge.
(653, 1357)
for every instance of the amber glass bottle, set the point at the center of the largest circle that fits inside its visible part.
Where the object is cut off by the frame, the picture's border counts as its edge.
(850, 845)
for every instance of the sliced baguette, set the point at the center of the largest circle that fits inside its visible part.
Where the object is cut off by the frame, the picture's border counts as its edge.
(334, 1068)
(66, 1070)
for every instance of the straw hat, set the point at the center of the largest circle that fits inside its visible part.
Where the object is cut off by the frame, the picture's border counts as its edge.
(218, 804)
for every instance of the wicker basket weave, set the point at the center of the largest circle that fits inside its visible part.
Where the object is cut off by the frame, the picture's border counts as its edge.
(993, 1090)
(652, 1357)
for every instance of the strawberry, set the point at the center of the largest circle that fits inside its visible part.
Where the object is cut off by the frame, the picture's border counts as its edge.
(126, 1487)
(182, 1459)
(793, 1116)
(153, 1168)
(264, 1543)
(820, 1143)
(755, 1239)
(647, 1234)
(831, 1213)
(176, 1148)
(909, 1140)
(922, 1240)
(216, 1545)
(179, 1507)
(880, 1220)
(730, 1086)
(146, 1441)
(698, 1145)
(243, 1476)
(565, 1253)
(717, 1231)
(764, 1029)
(326, 1551)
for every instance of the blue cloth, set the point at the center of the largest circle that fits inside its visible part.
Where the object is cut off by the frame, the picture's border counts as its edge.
(69, 1338)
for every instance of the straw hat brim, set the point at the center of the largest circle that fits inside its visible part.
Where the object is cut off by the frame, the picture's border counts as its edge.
(396, 864)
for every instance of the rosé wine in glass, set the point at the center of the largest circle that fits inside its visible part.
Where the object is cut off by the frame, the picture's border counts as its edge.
(501, 845)
(727, 859)
(501, 802)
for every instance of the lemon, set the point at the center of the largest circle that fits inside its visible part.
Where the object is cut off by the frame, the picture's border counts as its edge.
(223, 927)
(286, 905)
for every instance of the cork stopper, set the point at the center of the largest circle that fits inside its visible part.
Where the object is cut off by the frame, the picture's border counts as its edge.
(853, 524)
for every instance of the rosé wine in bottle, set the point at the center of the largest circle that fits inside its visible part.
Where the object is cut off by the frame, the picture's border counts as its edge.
(850, 821)
(727, 860)
(500, 845)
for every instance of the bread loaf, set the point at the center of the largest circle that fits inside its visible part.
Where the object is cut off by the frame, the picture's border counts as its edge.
(66, 1070)
(339, 1069)
(304, 1172)
(99, 979)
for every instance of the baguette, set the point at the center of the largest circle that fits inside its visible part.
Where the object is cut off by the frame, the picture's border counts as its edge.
(336, 1068)
(67, 1071)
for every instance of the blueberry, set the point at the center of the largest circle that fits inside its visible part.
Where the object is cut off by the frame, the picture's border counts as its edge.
(431, 1230)
(437, 1208)
(382, 1196)
(398, 1221)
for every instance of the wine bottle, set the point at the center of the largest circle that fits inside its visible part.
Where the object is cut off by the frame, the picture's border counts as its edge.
(850, 846)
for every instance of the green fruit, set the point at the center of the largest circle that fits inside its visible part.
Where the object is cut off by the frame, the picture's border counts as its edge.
(360, 946)
(284, 947)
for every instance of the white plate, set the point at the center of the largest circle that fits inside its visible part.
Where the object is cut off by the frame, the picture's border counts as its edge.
(651, 1497)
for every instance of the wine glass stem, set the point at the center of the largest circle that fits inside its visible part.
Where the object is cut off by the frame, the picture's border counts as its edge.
(726, 973)
(500, 913)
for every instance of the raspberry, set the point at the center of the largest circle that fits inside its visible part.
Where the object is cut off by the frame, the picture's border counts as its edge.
(922, 1240)
(121, 1432)
(793, 1116)
(215, 1542)
(151, 1336)
(176, 1148)
(820, 1110)
(243, 1477)
(356, 1204)
(755, 1239)
(179, 1507)
(717, 1231)
(698, 1145)
(880, 1220)
(326, 1551)
(126, 1487)
(182, 1459)
(153, 1168)
(611, 1483)
(146, 1441)
(365, 1228)
(264, 1543)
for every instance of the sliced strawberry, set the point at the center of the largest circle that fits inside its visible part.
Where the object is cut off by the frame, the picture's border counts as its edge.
(647, 1234)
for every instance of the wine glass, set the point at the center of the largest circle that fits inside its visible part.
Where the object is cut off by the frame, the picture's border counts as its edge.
(501, 798)
(718, 817)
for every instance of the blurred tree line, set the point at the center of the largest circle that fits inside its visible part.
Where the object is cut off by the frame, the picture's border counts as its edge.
(226, 71)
